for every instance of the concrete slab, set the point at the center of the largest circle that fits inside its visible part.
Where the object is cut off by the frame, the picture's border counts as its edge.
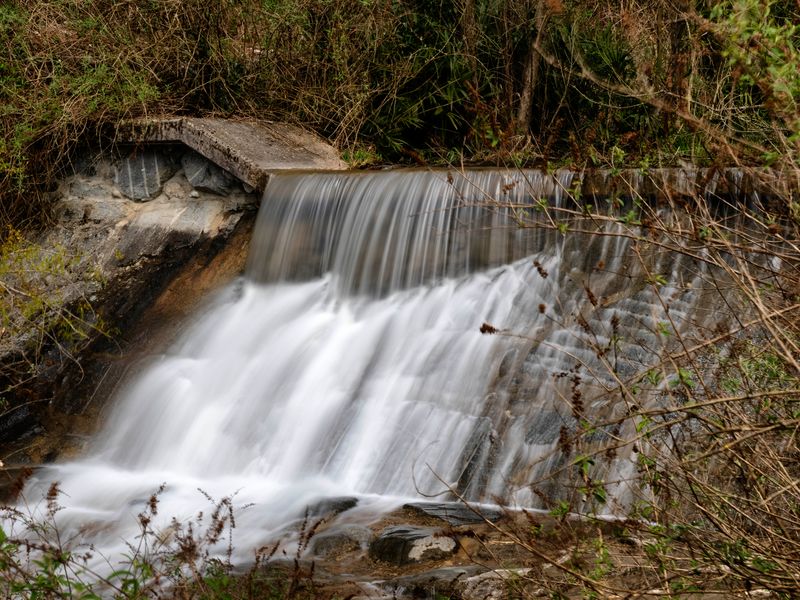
(249, 150)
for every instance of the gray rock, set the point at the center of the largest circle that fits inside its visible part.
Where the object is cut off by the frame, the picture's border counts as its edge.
(340, 539)
(455, 513)
(87, 187)
(434, 583)
(403, 544)
(205, 175)
(546, 428)
(331, 506)
(80, 210)
(141, 176)
(494, 585)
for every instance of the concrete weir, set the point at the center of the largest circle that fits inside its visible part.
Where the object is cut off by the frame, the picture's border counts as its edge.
(249, 150)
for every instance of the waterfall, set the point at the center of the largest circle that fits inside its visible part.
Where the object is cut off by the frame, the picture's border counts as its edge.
(350, 359)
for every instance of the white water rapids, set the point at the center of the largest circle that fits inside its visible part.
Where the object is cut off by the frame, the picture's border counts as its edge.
(349, 361)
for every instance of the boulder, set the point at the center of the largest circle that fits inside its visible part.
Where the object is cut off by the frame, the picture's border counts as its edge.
(141, 175)
(340, 539)
(328, 507)
(205, 175)
(403, 544)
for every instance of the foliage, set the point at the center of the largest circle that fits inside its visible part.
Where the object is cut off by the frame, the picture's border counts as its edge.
(416, 80)
(38, 286)
(44, 306)
(702, 437)
(185, 562)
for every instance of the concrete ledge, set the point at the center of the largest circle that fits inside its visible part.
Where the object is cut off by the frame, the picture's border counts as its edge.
(689, 182)
(249, 150)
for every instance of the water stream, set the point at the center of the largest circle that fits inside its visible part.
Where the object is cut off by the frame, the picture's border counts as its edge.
(350, 359)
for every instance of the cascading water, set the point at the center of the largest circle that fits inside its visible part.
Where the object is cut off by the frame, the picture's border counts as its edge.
(350, 359)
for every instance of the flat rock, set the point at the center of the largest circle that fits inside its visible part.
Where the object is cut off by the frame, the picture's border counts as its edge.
(340, 539)
(249, 150)
(441, 581)
(403, 544)
(455, 513)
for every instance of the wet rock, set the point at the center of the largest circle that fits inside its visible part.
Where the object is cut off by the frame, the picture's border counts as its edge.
(507, 364)
(205, 175)
(546, 427)
(331, 506)
(403, 544)
(434, 583)
(16, 422)
(141, 176)
(492, 585)
(455, 513)
(474, 459)
(340, 539)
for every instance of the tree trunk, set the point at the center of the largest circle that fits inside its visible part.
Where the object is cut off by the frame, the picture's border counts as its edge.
(678, 60)
(530, 74)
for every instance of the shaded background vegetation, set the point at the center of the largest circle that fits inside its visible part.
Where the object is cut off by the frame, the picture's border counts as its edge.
(517, 82)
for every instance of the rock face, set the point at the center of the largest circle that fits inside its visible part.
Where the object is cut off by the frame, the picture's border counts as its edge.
(122, 255)
(401, 545)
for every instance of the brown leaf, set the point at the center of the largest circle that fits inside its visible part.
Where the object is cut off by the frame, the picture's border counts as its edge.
(486, 328)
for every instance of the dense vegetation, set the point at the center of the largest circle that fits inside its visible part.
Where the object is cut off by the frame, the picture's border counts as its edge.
(533, 81)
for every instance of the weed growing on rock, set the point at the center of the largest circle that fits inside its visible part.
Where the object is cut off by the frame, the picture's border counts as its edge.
(42, 307)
